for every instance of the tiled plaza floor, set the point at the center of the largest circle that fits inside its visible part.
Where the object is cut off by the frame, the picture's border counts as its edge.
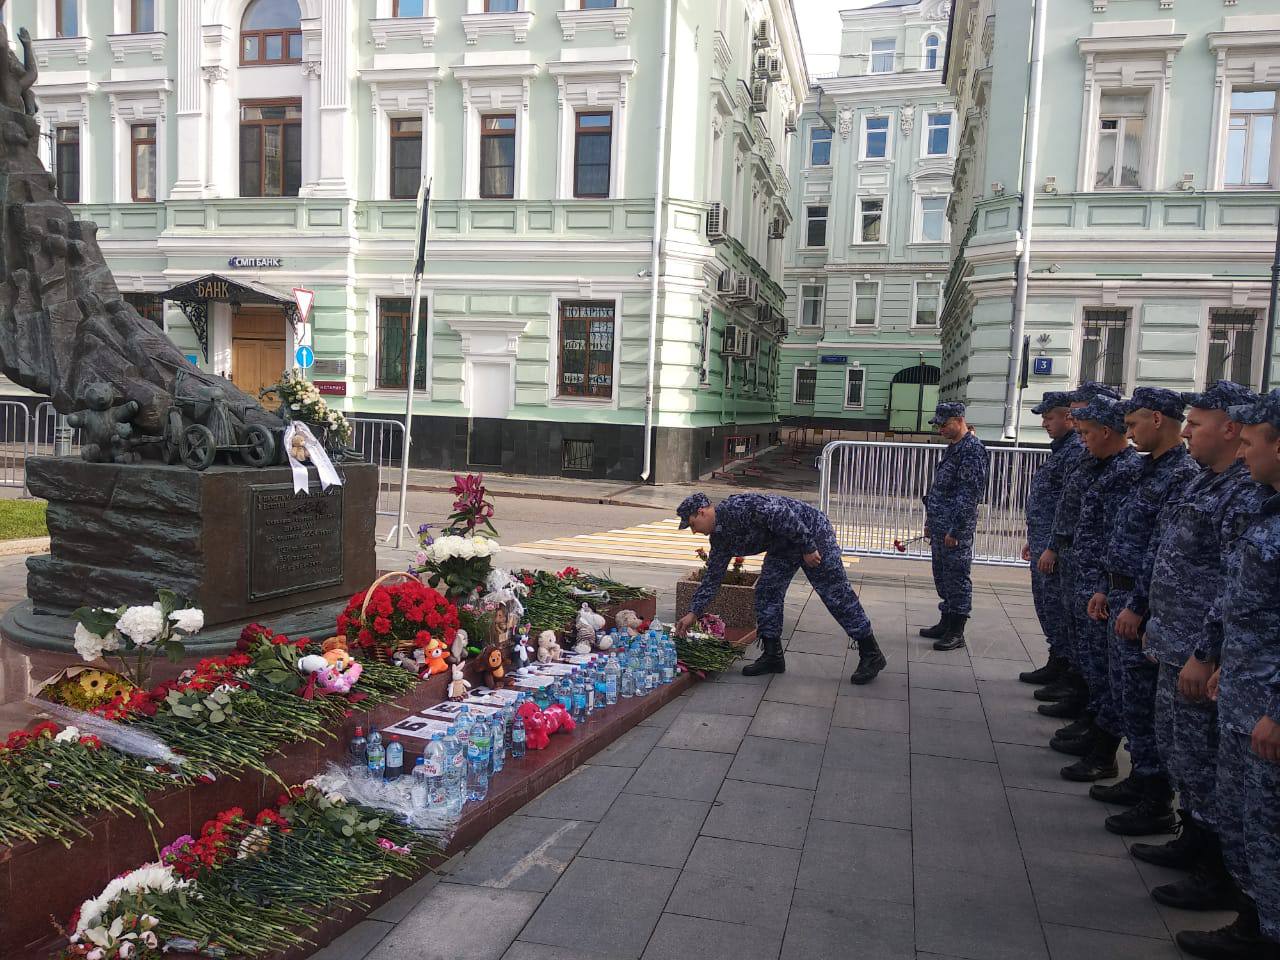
(800, 817)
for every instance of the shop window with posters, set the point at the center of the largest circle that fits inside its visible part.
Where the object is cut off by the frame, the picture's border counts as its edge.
(586, 350)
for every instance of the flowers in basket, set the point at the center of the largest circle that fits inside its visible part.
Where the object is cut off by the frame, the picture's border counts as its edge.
(397, 616)
(301, 400)
(139, 632)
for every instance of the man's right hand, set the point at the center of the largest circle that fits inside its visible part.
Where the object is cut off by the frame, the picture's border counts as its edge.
(1048, 562)
(1193, 680)
(1098, 607)
(1026, 553)
(684, 623)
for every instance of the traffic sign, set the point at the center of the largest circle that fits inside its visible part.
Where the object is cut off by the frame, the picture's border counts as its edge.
(306, 358)
(305, 299)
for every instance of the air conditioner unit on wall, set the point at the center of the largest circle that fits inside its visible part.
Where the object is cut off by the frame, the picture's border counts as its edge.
(717, 222)
(777, 228)
(789, 124)
(775, 68)
(729, 348)
(761, 70)
(763, 36)
(724, 282)
(743, 289)
(759, 96)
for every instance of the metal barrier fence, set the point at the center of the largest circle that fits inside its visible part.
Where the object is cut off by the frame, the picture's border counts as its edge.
(44, 434)
(15, 433)
(382, 442)
(874, 495)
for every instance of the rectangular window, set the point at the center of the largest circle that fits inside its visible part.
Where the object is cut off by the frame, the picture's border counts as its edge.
(854, 382)
(67, 17)
(866, 307)
(143, 18)
(592, 150)
(815, 229)
(871, 220)
(149, 307)
(938, 134)
(820, 146)
(409, 8)
(270, 148)
(501, 6)
(1121, 123)
(805, 386)
(498, 156)
(1102, 350)
(1231, 336)
(586, 350)
(1251, 152)
(928, 292)
(875, 142)
(811, 302)
(394, 316)
(143, 169)
(599, 4)
(882, 55)
(933, 219)
(67, 164)
(406, 157)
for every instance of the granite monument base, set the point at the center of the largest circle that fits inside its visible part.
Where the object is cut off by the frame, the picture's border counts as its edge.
(236, 540)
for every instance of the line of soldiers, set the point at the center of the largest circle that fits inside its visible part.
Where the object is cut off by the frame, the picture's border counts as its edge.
(1157, 582)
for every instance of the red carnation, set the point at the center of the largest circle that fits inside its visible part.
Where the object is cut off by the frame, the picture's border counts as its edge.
(382, 625)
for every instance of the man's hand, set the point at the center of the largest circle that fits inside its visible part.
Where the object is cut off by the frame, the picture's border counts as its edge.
(813, 559)
(1026, 553)
(1048, 562)
(950, 542)
(1266, 739)
(1127, 625)
(1211, 688)
(684, 623)
(1098, 607)
(1193, 680)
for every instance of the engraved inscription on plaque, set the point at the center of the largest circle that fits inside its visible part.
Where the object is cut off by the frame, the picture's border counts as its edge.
(295, 542)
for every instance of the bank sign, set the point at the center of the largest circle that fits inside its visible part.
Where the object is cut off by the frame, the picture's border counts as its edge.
(254, 263)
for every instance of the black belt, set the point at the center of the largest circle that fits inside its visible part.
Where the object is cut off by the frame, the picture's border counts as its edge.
(1120, 582)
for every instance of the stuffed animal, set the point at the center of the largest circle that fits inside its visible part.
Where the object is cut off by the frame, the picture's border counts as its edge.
(548, 650)
(298, 448)
(588, 624)
(311, 663)
(536, 736)
(558, 719)
(524, 651)
(436, 654)
(331, 677)
(459, 649)
(458, 687)
(335, 652)
(495, 667)
(628, 623)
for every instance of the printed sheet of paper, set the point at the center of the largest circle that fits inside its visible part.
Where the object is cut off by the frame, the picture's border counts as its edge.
(420, 728)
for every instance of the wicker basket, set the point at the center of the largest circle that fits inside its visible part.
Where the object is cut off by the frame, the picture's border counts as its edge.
(404, 646)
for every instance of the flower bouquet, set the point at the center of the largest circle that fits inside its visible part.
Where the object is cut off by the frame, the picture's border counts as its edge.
(460, 560)
(702, 651)
(388, 618)
(301, 400)
(139, 633)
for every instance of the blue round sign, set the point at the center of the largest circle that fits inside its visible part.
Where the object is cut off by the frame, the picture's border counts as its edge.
(306, 358)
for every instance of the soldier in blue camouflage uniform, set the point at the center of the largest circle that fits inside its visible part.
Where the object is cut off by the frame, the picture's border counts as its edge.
(1042, 504)
(1186, 579)
(793, 536)
(951, 520)
(1102, 428)
(1247, 685)
(1069, 696)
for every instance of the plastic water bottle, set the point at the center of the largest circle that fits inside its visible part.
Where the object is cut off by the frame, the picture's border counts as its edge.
(651, 667)
(455, 773)
(589, 684)
(611, 673)
(668, 660)
(517, 738)
(498, 742)
(463, 723)
(418, 787)
(478, 759)
(394, 760)
(433, 760)
(627, 683)
(355, 752)
(579, 698)
(567, 691)
(601, 690)
(375, 758)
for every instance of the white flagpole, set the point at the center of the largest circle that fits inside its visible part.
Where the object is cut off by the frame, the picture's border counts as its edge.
(419, 266)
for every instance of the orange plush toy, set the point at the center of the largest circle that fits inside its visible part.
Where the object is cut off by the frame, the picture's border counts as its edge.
(334, 650)
(437, 655)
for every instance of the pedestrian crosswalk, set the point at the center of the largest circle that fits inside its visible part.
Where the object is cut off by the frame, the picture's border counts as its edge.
(661, 543)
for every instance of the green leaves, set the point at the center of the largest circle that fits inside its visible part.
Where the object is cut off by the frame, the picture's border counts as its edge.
(97, 620)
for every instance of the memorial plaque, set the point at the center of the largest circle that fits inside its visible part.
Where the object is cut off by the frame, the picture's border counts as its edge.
(295, 541)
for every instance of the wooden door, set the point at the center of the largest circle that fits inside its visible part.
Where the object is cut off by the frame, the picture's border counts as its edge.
(257, 348)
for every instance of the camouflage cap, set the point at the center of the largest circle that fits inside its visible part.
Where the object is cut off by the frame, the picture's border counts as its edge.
(1052, 401)
(1158, 400)
(1103, 411)
(1223, 395)
(1266, 409)
(689, 506)
(946, 411)
(1092, 388)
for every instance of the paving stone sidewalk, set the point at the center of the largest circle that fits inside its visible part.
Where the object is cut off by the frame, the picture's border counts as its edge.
(800, 817)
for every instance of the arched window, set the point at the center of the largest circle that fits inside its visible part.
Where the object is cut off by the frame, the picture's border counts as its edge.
(271, 32)
(932, 48)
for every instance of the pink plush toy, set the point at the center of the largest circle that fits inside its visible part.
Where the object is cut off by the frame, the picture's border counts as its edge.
(558, 719)
(536, 735)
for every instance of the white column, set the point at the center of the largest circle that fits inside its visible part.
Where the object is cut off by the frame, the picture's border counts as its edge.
(162, 151)
(190, 173)
(429, 132)
(564, 144)
(335, 102)
(222, 167)
(87, 193)
(311, 141)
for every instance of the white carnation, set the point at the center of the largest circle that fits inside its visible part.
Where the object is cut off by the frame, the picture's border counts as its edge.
(68, 735)
(141, 624)
(190, 620)
(88, 644)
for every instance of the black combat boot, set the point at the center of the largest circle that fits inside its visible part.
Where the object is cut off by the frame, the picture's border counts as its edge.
(1072, 709)
(1183, 852)
(1239, 940)
(1100, 764)
(954, 638)
(871, 660)
(1125, 793)
(770, 661)
(1152, 814)
(1079, 745)
(1076, 728)
(939, 629)
(1055, 669)
(1209, 887)
(1061, 689)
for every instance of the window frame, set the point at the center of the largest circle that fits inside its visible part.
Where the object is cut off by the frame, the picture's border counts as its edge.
(915, 305)
(1273, 157)
(854, 324)
(498, 134)
(860, 221)
(1128, 326)
(286, 34)
(795, 386)
(862, 386)
(396, 14)
(424, 340)
(558, 397)
(872, 53)
(950, 127)
(262, 163)
(609, 5)
(804, 299)
(1258, 323)
(393, 135)
(830, 142)
(134, 143)
(919, 218)
(59, 10)
(152, 300)
(810, 219)
(865, 140)
(931, 44)
(135, 10)
(488, 4)
(59, 145)
(1144, 145)
(596, 132)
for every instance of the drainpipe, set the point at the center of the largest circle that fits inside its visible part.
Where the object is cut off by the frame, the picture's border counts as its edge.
(1030, 141)
(659, 190)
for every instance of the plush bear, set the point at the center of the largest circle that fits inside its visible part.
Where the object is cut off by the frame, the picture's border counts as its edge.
(628, 623)
(588, 624)
(335, 652)
(495, 668)
(548, 650)
(458, 686)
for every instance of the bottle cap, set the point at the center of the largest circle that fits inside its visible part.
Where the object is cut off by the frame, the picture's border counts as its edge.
(359, 731)
(419, 762)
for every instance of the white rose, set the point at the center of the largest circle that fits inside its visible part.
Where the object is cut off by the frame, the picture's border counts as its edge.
(88, 644)
(141, 624)
(68, 735)
(190, 620)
